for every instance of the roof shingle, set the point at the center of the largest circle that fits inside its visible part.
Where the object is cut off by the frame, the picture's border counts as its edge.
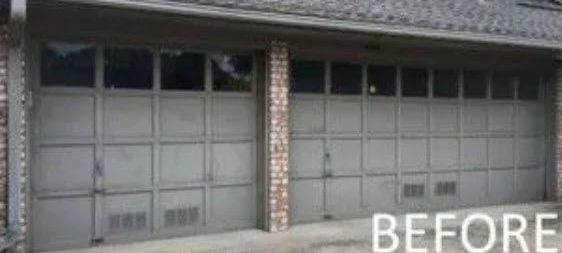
(512, 18)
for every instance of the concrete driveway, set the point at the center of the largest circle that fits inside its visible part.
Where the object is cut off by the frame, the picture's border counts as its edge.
(337, 236)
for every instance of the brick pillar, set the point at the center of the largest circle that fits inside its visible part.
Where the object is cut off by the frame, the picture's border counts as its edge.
(558, 131)
(277, 137)
(3, 128)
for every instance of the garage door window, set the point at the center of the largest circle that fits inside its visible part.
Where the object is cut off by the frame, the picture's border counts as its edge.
(231, 72)
(474, 84)
(182, 71)
(307, 76)
(67, 65)
(346, 78)
(414, 82)
(381, 80)
(445, 84)
(529, 87)
(502, 86)
(128, 68)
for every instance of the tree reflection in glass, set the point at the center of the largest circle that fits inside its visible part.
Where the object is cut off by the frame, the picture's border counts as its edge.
(231, 72)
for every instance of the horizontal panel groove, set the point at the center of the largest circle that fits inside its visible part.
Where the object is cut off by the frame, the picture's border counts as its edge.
(65, 142)
(62, 194)
(182, 139)
(235, 138)
(125, 190)
(231, 183)
(182, 186)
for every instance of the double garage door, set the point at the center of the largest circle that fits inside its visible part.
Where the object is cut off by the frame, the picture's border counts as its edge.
(120, 162)
(411, 139)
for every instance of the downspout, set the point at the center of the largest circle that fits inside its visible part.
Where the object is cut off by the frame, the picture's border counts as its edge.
(14, 241)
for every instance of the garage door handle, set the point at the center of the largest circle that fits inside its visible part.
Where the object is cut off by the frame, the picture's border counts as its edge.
(329, 174)
(98, 169)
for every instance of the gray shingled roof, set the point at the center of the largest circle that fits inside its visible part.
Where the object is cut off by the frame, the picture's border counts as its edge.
(493, 17)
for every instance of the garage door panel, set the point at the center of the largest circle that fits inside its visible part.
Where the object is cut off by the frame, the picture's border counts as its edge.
(380, 193)
(345, 157)
(444, 153)
(381, 155)
(531, 117)
(344, 196)
(127, 214)
(233, 116)
(233, 207)
(501, 118)
(346, 116)
(182, 163)
(444, 189)
(413, 117)
(475, 153)
(182, 209)
(64, 222)
(530, 184)
(444, 118)
(415, 192)
(182, 116)
(530, 150)
(66, 116)
(122, 161)
(127, 116)
(232, 162)
(474, 188)
(381, 116)
(474, 118)
(501, 152)
(74, 162)
(307, 116)
(307, 158)
(501, 186)
(307, 199)
(414, 154)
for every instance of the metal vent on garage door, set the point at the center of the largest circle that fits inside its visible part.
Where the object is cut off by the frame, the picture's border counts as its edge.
(181, 216)
(129, 221)
(446, 188)
(414, 190)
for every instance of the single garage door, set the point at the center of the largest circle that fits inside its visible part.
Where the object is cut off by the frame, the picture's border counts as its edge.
(369, 138)
(133, 143)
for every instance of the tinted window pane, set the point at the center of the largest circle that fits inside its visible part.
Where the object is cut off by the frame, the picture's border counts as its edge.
(381, 80)
(128, 68)
(529, 87)
(445, 84)
(66, 64)
(474, 85)
(232, 72)
(414, 82)
(346, 78)
(307, 76)
(183, 71)
(502, 86)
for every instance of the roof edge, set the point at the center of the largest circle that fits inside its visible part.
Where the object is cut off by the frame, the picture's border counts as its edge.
(320, 23)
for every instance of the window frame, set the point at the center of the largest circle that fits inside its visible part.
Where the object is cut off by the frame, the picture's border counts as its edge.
(40, 65)
(210, 73)
(428, 84)
(153, 53)
(160, 68)
(323, 77)
(347, 64)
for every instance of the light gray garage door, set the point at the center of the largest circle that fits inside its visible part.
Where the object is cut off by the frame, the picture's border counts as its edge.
(382, 138)
(132, 144)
